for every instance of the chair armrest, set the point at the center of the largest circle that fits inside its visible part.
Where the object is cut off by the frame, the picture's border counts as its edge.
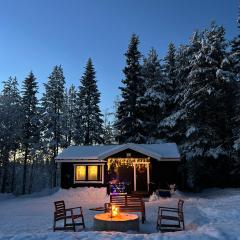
(64, 211)
(71, 209)
(74, 208)
(160, 207)
(168, 210)
(68, 210)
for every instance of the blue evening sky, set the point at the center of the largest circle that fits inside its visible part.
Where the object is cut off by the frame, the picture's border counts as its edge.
(36, 35)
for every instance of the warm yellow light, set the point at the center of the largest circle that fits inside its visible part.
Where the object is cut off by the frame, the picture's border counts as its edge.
(115, 211)
(127, 162)
(81, 173)
(92, 173)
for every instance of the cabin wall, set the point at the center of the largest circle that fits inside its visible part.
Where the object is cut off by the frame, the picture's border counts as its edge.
(164, 173)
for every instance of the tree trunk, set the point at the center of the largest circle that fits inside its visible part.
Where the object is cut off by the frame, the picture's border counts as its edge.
(55, 151)
(31, 179)
(25, 170)
(53, 168)
(5, 170)
(13, 172)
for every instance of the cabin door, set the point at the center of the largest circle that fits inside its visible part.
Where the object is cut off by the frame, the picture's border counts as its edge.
(141, 174)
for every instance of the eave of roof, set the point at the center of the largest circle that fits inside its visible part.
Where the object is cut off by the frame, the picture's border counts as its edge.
(131, 146)
(109, 150)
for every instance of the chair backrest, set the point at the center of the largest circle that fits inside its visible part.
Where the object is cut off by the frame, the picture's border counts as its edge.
(180, 208)
(59, 210)
(126, 200)
(59, 206)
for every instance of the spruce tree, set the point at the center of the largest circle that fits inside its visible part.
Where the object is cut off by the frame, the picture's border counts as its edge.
(108, 128)
(152, 103)
(68, 118)
(170, 92)
(235, 60)
(174, 124)
(89, 123)
(10, 127)
(52, 104)
(206, 108)
(129, 122)
(30, 124)
(170, 74)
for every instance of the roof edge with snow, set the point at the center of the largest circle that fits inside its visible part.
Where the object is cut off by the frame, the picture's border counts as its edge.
(160, 152)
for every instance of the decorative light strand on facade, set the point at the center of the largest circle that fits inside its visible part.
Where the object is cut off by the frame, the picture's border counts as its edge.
(128, 162)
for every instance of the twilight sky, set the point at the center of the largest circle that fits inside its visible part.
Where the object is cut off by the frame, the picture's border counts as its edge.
(36, 35)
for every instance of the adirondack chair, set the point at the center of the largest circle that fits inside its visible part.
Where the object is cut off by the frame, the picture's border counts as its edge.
(69, 216)
(173, 216)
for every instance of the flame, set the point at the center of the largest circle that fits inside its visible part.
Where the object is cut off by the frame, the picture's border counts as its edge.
(115, 211)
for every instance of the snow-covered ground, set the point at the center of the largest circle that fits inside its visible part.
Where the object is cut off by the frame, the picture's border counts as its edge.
(213, 214)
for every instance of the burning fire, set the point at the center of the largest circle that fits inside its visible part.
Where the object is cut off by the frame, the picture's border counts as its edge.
(114, 211)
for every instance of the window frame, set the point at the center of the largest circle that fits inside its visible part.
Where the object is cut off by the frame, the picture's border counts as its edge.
(100, 173)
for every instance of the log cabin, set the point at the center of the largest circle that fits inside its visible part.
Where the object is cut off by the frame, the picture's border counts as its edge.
(131, 168)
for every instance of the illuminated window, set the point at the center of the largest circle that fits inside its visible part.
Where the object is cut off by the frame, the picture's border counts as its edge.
(81, 173)
(92, 173)
(88, 173)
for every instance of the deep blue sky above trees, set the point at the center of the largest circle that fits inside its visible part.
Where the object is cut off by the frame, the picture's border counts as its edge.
(36, 35)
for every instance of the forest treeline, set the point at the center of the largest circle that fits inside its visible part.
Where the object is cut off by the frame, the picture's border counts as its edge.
(191, 97)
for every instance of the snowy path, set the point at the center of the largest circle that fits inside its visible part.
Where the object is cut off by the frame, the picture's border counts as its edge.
(213, 214)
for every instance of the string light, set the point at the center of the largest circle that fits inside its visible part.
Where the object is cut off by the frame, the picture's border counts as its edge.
(128, 162)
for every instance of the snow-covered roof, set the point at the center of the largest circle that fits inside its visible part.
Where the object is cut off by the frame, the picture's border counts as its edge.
(161, 151)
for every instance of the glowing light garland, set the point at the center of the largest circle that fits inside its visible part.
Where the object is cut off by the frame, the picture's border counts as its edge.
(128, 162)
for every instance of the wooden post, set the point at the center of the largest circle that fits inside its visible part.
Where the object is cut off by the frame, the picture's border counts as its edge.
(148, 176)
(135, 176)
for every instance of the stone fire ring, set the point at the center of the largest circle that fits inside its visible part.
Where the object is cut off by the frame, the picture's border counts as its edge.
(121, 223)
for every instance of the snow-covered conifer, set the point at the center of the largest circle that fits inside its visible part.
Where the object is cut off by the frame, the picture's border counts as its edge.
(89, 123)
(52, 104)
(129, 123)
(30, 124)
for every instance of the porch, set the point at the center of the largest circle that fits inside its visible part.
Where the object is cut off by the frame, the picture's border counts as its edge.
(129, 174)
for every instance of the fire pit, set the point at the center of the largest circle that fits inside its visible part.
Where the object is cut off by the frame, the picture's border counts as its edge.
(121, 223)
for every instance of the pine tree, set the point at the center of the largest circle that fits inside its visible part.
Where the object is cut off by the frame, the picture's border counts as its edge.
(129, 123)
(235, 60)
(108, 128)
(170, 92)
(205, 105)
(68, 118)
(174, 125)
(52, 104)
(10, 127)
(89, 123)
(152, 103)
(30, 124)
(170, 74)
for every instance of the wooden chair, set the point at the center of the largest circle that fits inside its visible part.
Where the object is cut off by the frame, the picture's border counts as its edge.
(175, 218)
(63, 214)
